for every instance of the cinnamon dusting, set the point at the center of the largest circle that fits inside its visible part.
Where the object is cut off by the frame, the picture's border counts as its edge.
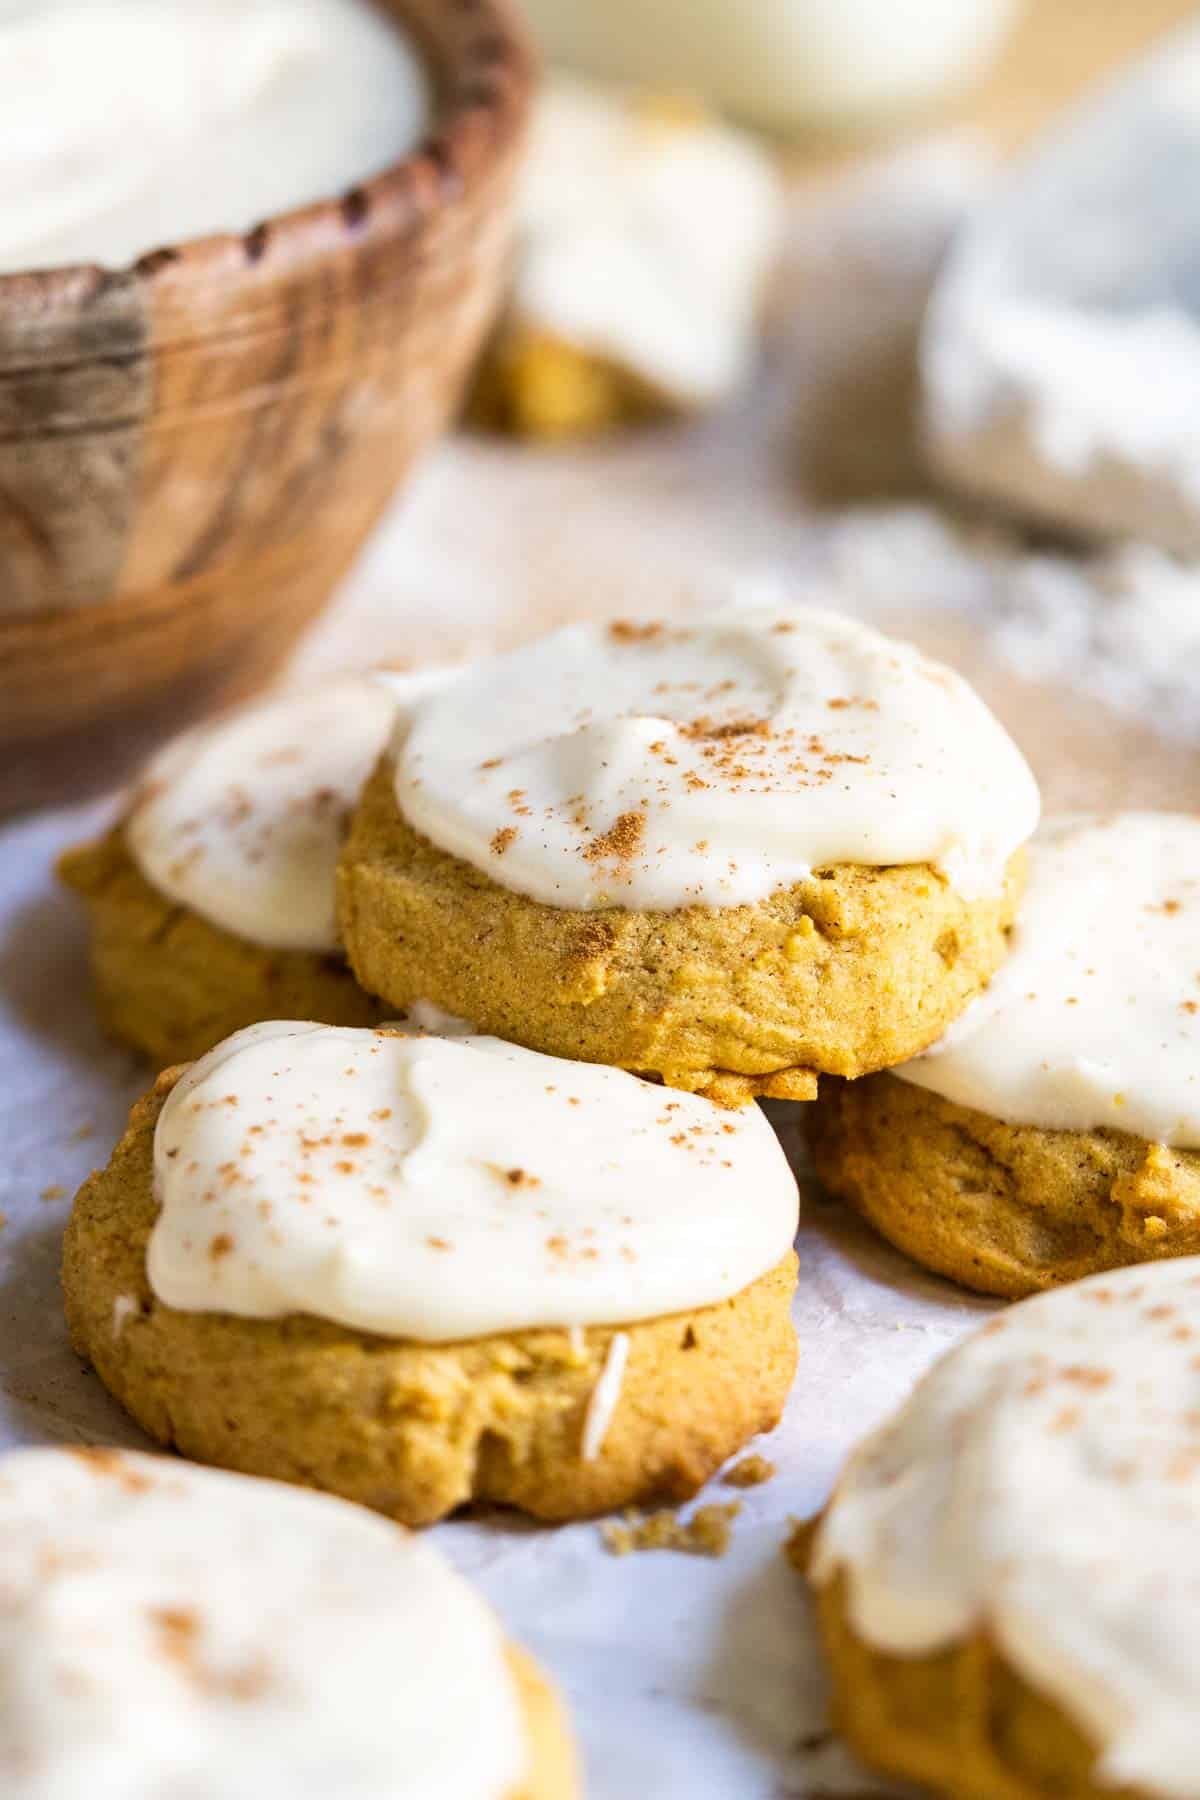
(622, 840)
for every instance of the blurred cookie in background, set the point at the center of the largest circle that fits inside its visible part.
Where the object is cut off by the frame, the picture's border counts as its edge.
(647, 232)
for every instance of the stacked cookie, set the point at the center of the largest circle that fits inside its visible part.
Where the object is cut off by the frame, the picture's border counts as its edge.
(734, 854)
(527, 1242)
(528, 1259)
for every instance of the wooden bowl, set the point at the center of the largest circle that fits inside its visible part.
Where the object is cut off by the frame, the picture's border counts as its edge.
(193, 449)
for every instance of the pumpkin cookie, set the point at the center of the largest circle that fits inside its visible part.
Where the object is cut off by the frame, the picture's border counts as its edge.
(170, 1629)
(1055, 1129)
(731, 853)
(1008, 1576)
(212, 903)
(646, 232)
(420, 1271)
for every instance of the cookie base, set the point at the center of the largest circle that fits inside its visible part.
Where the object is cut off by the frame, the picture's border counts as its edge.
(1004, 1209)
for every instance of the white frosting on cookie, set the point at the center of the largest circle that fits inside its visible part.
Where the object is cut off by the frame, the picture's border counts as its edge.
(646, 238)
(446, 1188)
(1043, 1485)
(242, 820)
(1094, 1019)
(713, 762)
(170, 1631)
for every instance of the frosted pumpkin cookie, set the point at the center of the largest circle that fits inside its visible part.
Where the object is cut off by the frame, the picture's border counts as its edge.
(212, 902)
(1008, 1574)
(647, 230)
(1055, 1129)
(731, 853)
(420, 1271)
(171, 1631)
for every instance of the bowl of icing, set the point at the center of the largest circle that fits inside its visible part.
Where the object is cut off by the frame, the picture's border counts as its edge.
(248, 252)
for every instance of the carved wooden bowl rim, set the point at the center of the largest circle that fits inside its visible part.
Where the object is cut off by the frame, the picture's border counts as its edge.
(482, 92)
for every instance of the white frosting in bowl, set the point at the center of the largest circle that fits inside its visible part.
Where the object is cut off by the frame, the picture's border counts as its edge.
(446, 1188)
(130, 124)
(174, 1631)
(1043, 1486)
(1094, 1019)
(242, 820)
(713, 762)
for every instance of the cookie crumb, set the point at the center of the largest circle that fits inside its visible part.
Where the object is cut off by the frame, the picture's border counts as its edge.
(53, 1192)
(706, 1533)
(752, 1471)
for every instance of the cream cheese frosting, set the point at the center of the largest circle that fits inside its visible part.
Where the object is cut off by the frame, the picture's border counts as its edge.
(171, 1630)
(715, 761)
(448, 1188)
(646, 237)
(1094, 1019)
(242, 820)
(130, 124)
(1043, 1485)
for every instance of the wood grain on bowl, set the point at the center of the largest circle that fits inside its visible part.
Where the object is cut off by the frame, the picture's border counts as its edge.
(192, 450)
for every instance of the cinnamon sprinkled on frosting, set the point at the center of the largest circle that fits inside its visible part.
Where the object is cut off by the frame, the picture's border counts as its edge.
(490, 1188)
(658, 765)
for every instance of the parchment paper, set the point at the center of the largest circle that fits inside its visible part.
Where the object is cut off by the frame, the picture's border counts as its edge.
(685, 1677)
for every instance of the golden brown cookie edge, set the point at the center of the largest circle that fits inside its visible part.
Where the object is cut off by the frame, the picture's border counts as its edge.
(416, 1430)
(854, 969)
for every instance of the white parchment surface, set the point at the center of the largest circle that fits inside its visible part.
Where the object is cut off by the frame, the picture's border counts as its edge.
(685, 1677)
